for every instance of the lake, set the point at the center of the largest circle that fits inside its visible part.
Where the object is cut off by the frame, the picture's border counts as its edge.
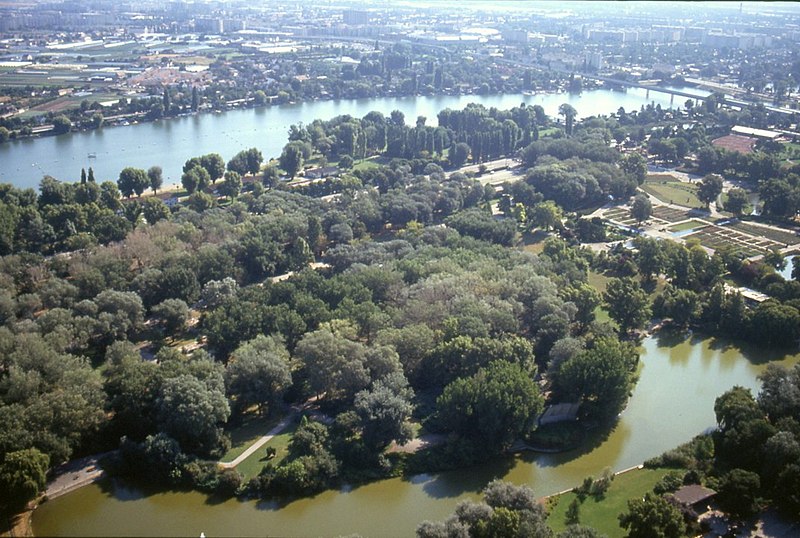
(169, 143)
(681, 376)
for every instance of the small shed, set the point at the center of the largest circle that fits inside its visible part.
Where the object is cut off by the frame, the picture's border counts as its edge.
(693, 497)
(563, 412)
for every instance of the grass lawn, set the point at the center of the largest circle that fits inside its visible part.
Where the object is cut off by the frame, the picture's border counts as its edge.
(599, 282)
(602, 515)
(250, 467)
(670, 190)
(366, 164)
(533, 242)
(244, 435)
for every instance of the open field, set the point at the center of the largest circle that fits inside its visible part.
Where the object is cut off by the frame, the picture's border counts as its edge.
(602, 514)
(671, 191)
(247, 433)
(250, 467)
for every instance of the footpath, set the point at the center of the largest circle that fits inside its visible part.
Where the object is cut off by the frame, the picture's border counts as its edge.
(75, 474)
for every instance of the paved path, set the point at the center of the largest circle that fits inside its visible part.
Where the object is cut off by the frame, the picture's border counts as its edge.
(73, 475)
(261, 441)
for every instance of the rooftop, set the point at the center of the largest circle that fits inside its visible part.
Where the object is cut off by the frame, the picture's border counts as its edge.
(689, 495)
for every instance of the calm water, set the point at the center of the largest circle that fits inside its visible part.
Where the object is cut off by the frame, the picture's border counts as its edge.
(170, 143)
(673, 401)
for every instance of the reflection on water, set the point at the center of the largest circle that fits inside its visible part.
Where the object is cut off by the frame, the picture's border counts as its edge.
(682, 375)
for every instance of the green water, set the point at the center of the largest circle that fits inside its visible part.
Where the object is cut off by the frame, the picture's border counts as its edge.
(673, 401)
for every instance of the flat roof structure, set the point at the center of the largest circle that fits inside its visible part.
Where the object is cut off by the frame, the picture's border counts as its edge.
(693, 494)
(758, 133)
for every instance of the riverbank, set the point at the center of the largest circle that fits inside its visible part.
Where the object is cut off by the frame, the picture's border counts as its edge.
(601, 511)
(673, 401)
(169, 143)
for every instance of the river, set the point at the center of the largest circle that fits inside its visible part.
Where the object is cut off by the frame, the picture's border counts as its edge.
(673, 401)
(169, 143)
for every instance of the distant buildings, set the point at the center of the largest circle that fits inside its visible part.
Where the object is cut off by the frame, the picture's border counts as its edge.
(355, 17)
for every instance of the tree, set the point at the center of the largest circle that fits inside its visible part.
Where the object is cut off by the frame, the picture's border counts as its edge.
(61, 124)
(346, 162)
(384, 410)
(335, 365)
(579, 531)
(110, 195)
(739, 491)
(573, 515)
(635, 166)
(246, 162)
(258, 373)
(291, 159)
(569, 113)
(459, 154)
(195, 99)
(23, 475)
(192, 412)
(174, 314)
(736, 407)
(651, 257)
(214, 165)
(627, 304)
(709, 189)
(507, 511)
(737, 203)
(156, 177)
(232, 185)
(586, 298)
(652, 517)
(166, 102)
(494, 407)
(641, 209)
(132, 180)
(780, 392)
(196, 178)
(546, 215)
(601, 378)
(271, 176)
(154, 210)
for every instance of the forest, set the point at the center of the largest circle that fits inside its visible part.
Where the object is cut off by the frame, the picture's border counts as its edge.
(388, 296)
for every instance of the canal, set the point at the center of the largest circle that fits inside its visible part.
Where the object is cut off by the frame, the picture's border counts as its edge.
(681, 376)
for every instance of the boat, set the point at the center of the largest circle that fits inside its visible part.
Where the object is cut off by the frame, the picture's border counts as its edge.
(92, 156)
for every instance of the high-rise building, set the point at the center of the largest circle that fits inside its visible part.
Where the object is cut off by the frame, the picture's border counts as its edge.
(356, 17)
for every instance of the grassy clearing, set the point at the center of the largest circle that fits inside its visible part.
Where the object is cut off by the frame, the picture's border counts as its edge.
(244, 435)
(602, 514)
(250, 467)
(670, 190)
(366, 164)
(533, 242)
(599, 281)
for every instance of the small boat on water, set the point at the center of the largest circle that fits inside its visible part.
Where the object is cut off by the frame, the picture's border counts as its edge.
(92, 156)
